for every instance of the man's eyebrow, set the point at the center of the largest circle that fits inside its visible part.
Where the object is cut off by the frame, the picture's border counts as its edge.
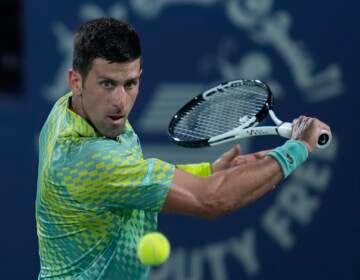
(133, 78)
(107, 78)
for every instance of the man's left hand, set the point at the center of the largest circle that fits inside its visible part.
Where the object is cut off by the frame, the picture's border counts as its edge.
(233, 158)
(225, 160)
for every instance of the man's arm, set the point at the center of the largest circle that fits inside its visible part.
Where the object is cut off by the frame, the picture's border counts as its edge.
(224, 191)
(235, 187)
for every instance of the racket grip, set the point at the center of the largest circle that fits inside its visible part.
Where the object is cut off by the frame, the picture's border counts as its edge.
(285, 130)
(324, 139)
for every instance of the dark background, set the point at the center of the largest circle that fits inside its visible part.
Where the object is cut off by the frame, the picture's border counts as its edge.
(182, 45)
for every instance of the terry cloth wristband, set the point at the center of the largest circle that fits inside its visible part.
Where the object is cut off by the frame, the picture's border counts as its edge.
(199, 169)
(290, 155)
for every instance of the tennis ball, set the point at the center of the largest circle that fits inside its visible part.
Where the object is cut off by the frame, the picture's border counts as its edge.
(153, 248)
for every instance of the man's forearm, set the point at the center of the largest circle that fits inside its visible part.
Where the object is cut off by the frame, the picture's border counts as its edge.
(238, 186)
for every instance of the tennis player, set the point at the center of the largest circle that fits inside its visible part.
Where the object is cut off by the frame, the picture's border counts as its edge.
(97, 195)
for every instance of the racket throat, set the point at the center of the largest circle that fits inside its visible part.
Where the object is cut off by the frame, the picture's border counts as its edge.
(284, 130)
(234, 133)
(275, 119)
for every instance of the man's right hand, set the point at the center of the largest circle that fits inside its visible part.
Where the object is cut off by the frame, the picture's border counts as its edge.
(308, 130)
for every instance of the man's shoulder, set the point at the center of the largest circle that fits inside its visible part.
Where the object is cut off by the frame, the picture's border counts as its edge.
(56, 114)
(58, 110)
(61, 104)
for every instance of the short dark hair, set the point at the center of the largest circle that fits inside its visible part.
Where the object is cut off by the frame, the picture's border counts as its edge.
(106, 38)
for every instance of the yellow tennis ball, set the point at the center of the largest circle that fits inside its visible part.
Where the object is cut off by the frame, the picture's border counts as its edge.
(153, 248)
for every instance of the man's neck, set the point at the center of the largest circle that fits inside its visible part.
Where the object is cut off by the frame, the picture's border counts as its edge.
(75, 105)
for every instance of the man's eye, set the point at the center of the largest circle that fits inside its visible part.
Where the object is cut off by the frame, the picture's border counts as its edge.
(107, 84)
(131, 84)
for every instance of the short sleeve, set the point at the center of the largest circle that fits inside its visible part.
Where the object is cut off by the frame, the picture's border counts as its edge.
(100, 173)
(198, 169)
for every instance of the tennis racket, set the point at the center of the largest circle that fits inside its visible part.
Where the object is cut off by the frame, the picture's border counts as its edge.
(228, 112)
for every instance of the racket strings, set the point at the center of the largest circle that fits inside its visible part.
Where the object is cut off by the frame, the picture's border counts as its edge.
(213, 120)
(248, 101)
(220, 112)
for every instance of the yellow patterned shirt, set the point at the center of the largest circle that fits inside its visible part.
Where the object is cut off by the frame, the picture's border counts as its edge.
(96, 197)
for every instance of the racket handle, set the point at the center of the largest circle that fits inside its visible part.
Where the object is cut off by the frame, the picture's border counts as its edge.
(324, 139)
(285, 130)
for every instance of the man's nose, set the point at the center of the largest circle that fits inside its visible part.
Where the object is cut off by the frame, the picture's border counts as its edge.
(119, 99)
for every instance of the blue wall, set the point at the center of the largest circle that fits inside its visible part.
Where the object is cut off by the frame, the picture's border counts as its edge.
(308, 52)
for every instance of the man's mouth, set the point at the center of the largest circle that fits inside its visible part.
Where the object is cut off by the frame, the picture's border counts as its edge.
(116, 117)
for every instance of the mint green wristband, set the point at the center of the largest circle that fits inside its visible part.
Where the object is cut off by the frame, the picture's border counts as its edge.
(290, 155)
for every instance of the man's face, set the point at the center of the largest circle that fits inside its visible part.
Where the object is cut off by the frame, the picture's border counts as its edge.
(108, 94)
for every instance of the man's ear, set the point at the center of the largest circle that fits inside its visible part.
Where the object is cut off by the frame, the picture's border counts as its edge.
(75, 82)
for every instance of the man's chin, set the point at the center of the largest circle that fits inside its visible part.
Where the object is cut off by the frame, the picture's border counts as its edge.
(113, 132)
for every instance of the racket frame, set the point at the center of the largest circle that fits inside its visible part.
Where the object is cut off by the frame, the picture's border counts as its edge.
(283, 129)
(248, 129)
(230, 135)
